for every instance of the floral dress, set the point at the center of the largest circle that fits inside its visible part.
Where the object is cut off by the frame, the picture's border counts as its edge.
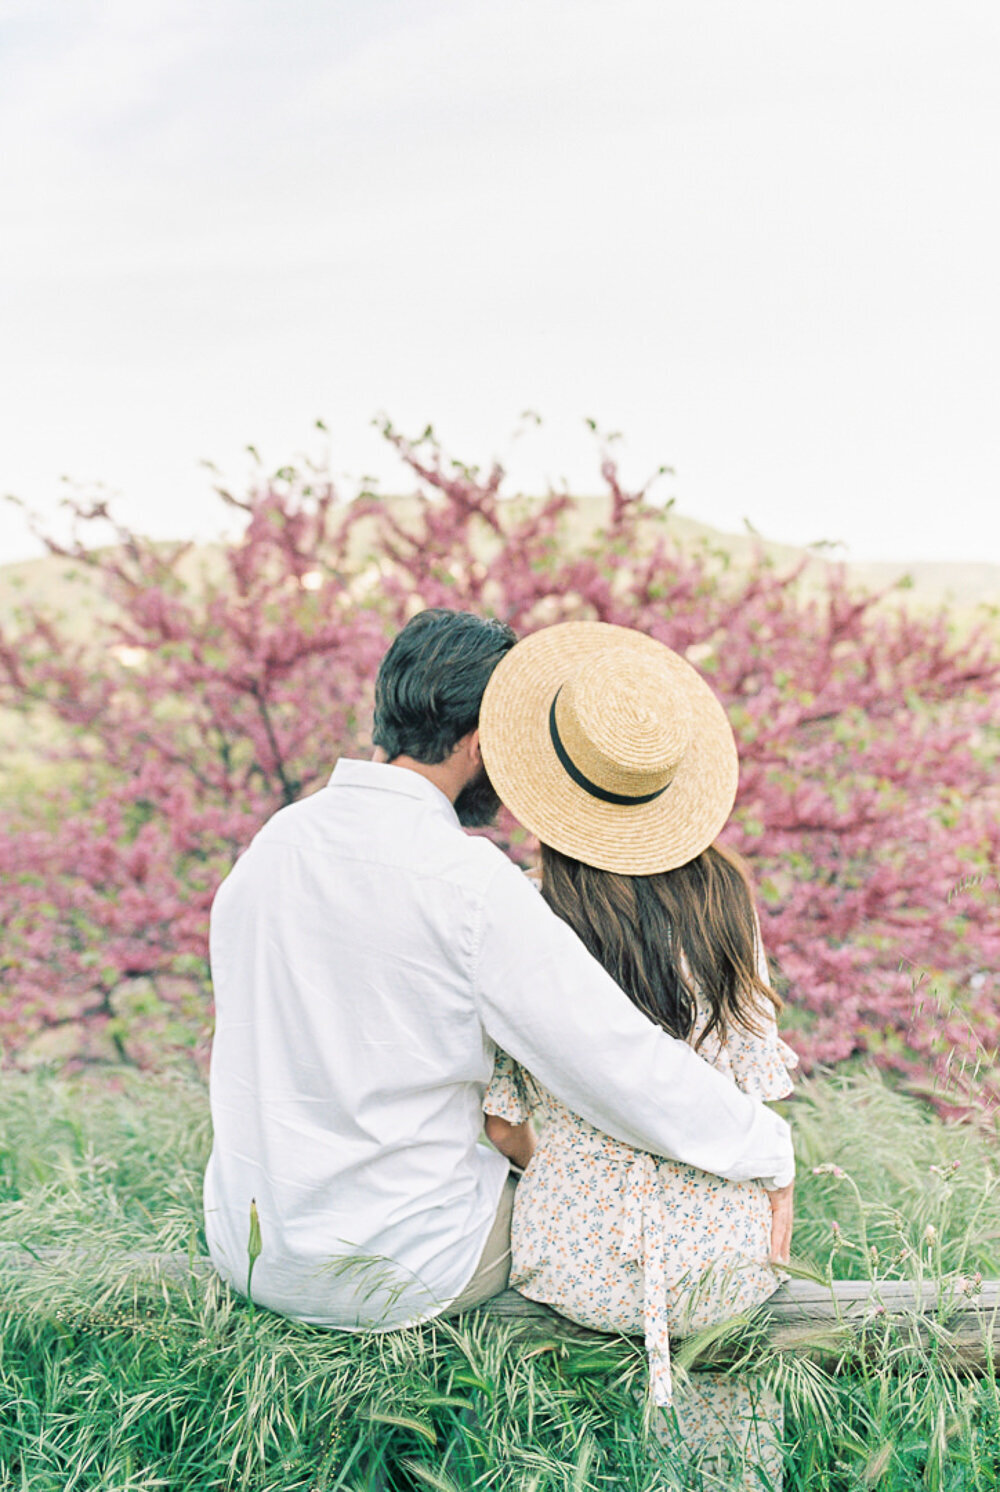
(620, 1240)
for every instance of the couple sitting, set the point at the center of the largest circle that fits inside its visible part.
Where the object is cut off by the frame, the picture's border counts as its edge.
(383, 979)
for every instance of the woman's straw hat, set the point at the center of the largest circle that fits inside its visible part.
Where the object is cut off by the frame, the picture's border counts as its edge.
(609, 747)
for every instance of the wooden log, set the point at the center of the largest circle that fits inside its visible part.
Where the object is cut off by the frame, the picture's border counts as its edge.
(831, 1323)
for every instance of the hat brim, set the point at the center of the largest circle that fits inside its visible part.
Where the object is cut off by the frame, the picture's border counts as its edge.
(518, 753)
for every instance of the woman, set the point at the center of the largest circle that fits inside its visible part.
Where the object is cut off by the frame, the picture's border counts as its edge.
(623, 764)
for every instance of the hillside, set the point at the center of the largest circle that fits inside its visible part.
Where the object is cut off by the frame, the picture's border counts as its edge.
(65, 588)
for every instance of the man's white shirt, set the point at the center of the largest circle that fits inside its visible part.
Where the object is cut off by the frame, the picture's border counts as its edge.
(368, 957)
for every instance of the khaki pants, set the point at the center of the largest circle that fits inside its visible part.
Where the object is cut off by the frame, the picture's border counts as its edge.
(493, 1270)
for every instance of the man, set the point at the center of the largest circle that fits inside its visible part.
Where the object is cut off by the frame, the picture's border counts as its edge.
(368, 958)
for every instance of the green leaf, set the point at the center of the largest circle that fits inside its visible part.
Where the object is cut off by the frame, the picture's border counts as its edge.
(254, 1243)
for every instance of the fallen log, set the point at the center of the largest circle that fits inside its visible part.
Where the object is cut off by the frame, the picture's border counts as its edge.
(958, 1318)
(834, 1322)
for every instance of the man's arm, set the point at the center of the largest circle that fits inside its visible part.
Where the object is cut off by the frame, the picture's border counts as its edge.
(547, 1002)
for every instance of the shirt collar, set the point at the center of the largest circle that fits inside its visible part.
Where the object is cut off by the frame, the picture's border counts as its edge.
(384, 778)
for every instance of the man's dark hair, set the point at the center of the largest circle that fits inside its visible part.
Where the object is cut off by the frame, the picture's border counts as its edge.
(431, 682)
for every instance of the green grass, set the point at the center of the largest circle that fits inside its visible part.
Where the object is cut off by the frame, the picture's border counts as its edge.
(107, 1384)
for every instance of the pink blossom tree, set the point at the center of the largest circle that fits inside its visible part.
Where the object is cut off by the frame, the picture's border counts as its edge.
(207, 699)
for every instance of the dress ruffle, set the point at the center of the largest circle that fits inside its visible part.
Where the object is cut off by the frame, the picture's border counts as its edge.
(507, 1096)
(759, 1067)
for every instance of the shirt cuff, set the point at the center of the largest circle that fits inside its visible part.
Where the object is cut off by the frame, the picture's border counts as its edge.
(784, 1178)
(777, 1168)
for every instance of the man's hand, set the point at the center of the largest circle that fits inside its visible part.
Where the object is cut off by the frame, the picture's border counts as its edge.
(781, 1223)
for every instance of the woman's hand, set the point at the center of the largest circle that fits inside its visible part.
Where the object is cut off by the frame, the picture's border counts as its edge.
(781, 1223)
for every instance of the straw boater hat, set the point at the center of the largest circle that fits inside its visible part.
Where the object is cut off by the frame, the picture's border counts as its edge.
(609, 747)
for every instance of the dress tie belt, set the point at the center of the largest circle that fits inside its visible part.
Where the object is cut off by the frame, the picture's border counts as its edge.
(644, 1240)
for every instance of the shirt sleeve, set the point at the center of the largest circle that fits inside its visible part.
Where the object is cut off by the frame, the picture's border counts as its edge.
(544, 1000)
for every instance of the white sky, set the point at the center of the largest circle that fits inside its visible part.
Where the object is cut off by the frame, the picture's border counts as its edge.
(761, 239)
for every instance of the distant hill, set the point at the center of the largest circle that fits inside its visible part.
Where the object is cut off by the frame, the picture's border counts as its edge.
(930, 583)
(68, 588)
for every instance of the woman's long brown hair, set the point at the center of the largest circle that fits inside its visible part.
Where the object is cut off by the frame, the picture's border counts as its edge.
(639, 926)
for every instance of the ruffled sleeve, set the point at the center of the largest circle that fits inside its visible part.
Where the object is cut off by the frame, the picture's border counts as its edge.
(758, 1062)
(508, 1095)
(761, 1064)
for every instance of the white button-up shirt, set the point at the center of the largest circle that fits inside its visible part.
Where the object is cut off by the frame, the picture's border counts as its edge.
(368, 958)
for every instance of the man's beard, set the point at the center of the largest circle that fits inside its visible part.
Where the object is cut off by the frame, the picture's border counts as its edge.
(477, 804)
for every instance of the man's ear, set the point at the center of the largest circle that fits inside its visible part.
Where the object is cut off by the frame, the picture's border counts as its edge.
(467, 750)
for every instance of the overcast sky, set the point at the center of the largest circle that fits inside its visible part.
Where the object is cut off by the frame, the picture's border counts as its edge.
(760, 239)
